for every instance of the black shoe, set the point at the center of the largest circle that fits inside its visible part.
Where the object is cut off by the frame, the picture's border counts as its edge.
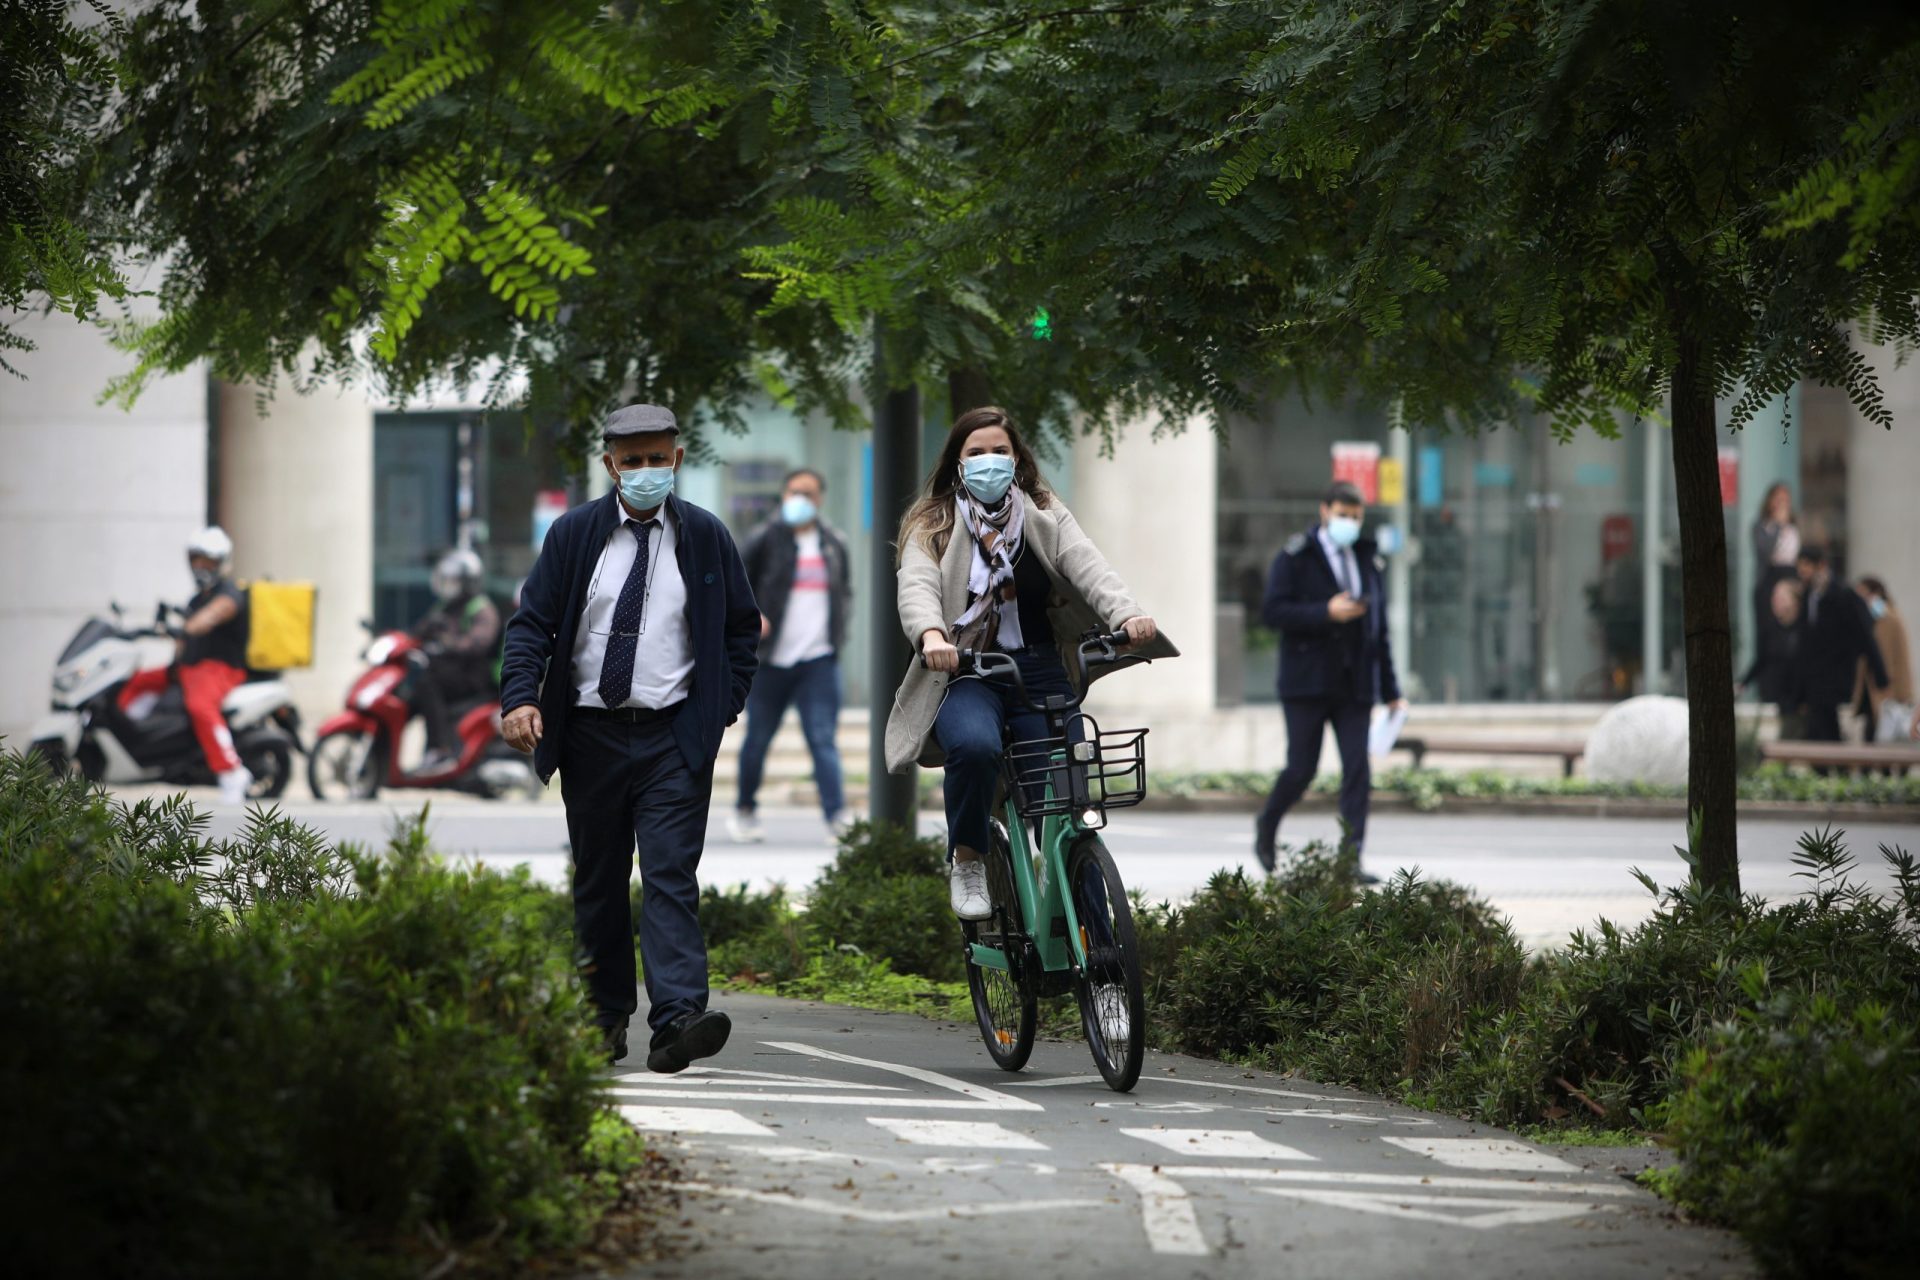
(614, 1037)
(689, 1036)
(1264, 832)
(1365, 877)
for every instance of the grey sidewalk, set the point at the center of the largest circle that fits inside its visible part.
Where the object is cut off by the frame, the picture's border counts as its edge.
(829, 1142)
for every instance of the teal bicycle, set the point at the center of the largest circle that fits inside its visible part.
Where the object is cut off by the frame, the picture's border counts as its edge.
(1060, 920)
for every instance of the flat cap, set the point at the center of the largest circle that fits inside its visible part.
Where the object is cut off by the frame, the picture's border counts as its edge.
(638, 419)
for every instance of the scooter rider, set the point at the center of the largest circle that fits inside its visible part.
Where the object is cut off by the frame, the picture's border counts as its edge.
(210, 659)
(462, 635)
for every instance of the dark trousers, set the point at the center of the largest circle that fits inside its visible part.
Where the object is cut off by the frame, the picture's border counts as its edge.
(624, 783)
(970, 729)
(443, 685)
(1307, 720)
(813, 687)
(1823, 725)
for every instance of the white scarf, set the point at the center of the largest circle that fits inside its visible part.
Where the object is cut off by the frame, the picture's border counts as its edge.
(990, 576)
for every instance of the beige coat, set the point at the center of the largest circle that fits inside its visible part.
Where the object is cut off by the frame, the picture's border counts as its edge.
(1890, 633)
(1086, 593)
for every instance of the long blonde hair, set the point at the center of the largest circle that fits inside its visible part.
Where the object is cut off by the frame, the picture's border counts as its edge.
(930, 519)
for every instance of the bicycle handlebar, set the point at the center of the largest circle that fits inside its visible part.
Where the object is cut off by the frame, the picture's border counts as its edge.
(1096, 649)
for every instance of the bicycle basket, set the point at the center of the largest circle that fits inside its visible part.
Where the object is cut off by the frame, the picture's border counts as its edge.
(1086, 768)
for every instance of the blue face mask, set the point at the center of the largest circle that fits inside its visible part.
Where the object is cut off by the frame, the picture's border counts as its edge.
(988, 476)
(1344, 530)
(798, 509)
(1877, 607)
(645, 488)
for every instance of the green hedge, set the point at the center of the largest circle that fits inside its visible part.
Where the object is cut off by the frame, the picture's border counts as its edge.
(266, 1056)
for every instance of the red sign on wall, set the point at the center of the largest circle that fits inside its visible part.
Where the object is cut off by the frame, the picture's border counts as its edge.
(1616, 538)
(1358, 463)
(1729, 476)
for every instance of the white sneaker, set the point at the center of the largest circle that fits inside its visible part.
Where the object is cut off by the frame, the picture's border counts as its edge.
(233, 785)
(744, 827)
(967, 887)
(838, 825)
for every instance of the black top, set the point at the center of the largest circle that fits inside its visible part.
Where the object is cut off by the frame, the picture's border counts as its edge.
(1033, 591)
(225, 643)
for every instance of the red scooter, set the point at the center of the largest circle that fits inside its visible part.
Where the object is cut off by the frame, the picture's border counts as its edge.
(357, 751)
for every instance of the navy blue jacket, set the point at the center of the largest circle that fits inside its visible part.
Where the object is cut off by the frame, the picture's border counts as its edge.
(723, 626)
(1321, 658)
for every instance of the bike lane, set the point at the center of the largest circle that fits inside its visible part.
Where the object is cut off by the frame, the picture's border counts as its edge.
(836, 1142)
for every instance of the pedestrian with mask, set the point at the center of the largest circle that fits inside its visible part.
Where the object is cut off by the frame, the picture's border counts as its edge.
(803, 581)
(631, 652)
(1326, 596)
(1837, 638)
(1890, 634)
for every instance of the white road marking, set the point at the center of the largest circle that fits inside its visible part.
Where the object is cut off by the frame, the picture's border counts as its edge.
(838, 1209)
(1485, 1153)
(1163, 1108)
(822, 1099)
(984, 1098)
(1342, 1117)
(735, 1076)
(1055, 1081)
(1166, 1211)
(1443, 1182)
(956, 1133)
(1239, 1144)
(694, 1120)
(1500, 1213)
(685, 1083)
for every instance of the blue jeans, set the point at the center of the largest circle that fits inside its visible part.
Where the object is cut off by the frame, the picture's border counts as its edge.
(970, 730)
(813, 686)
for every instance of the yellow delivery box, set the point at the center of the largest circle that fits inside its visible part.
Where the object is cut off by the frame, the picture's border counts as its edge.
(280, 625)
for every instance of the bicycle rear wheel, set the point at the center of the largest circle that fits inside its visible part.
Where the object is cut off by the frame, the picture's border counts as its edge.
(1113, 1004)
(1004, 1002)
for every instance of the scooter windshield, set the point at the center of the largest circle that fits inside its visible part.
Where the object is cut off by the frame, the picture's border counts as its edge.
(92, 632)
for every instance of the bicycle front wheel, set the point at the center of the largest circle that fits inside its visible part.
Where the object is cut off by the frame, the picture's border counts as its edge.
(1004, 1001)
(1113, 1003)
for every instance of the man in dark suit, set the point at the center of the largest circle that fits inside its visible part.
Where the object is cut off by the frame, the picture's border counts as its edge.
(1327, 598)
(1836, 632)
(631, 652)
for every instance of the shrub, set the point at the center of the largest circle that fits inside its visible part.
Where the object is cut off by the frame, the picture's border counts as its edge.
(752, 937)
(886, 894)
(264, 1056)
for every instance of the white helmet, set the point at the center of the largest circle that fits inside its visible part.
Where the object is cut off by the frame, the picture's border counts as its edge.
(211, 542)
(458, 573)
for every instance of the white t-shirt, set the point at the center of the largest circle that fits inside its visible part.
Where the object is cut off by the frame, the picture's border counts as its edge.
(804, 632)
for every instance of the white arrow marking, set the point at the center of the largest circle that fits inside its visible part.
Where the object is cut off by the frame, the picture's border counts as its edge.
(1166, 1211)
(986, 1099)
(1501, 1213)
(1485, 1153)
(835, 1209)
(956, 1133)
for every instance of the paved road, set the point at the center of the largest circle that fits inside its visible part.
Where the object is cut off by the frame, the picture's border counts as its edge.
(1550, 875)
(836, 1143)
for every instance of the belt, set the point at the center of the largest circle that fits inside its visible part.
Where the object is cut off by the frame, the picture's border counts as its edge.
(630, 715)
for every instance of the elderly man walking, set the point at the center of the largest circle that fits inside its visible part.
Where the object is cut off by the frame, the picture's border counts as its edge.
(632, 651)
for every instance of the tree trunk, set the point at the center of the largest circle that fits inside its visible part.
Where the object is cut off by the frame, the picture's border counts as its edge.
(1711, 787)
(893, 798)
(967, 388)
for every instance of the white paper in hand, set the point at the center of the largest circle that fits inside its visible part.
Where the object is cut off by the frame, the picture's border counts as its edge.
(1385, 731)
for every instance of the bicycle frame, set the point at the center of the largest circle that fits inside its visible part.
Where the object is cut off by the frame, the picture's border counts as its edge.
(1043, 897)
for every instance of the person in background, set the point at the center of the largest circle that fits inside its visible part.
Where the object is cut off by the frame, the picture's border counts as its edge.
(1890, 634)
(1326, 596)
(1837, 638)
(462, 637)
(1776, 547)
(210, 660)
(1775, 672)
(802, 578)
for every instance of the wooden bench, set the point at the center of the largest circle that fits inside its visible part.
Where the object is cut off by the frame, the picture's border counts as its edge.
(1899, 756)
(1423, 745)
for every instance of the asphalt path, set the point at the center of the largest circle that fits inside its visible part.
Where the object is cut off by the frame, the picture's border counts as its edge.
(1549, 874)
(827, 1142)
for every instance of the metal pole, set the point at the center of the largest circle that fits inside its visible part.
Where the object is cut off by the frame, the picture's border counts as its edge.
(896, 473)
(1652, 664)
(1400, 563)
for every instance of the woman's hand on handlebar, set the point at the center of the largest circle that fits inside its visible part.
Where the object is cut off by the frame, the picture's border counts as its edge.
(1139, 630)
(937, 652)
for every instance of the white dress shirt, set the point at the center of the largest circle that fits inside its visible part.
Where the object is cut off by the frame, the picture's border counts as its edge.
(1346, 570)
(663, 658)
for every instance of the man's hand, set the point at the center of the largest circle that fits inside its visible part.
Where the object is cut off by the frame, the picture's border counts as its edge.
(766, 626)
(1139, 630)
(938, 651)
(521, 727)
(1397, 706)
(1344, 608)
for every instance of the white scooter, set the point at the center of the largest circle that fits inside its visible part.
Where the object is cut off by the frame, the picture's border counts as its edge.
(89, 731)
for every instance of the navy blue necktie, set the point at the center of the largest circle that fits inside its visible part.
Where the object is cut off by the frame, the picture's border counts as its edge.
(616, 670)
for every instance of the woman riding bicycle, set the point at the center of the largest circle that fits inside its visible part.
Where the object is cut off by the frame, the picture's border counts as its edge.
(991, 560)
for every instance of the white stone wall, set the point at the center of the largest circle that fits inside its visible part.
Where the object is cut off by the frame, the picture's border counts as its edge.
(296, 493)
(1883, 490)
(96, 502)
